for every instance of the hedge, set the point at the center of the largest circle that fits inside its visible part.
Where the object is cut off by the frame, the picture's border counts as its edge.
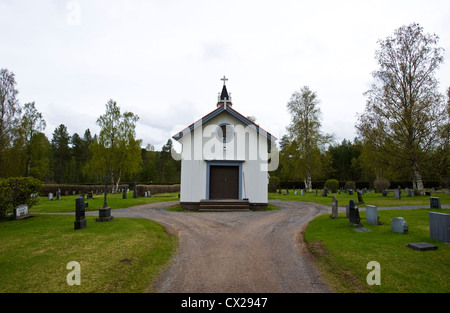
(365, 184)
(78, 189)
(155, 189)
(15, 191)
(83, 189)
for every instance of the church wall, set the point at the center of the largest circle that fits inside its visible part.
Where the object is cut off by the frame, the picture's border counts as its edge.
(201, 146)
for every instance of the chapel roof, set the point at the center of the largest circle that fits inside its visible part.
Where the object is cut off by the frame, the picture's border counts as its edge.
(224, 105)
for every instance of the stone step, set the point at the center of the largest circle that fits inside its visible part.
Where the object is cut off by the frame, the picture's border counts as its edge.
(225, 205)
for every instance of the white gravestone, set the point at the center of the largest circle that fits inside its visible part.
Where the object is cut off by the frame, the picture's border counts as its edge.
(21, 211)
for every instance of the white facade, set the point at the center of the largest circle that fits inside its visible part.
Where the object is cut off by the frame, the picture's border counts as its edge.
(246, 148)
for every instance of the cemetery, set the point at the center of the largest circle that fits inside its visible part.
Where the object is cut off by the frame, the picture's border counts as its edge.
(125, 236)
(414, 241)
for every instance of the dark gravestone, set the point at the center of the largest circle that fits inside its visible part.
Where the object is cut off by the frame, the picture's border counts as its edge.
(422, 246)
(80, 209)
(385, 193)
(439, 226)
(334, 207)
(324, 192)
(135, 195)
(104, 215)
(360, 198)
(427, 193)
(435, 203)
(353, 213)
(315, 193)
(410, 193)
(350, 192)
(90, 195)
(287, 192)
(124, 195)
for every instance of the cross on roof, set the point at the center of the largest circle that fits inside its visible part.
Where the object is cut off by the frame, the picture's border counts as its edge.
(224, 79)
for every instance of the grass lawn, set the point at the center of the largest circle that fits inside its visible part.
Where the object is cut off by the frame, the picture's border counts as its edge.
(343, 254)
(371, 198)
(115, 201)
(124, 255)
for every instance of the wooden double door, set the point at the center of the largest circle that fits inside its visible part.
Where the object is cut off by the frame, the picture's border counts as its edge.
(223, 182)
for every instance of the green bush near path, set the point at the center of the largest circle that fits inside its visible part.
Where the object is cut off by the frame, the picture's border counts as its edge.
(343, 254)
(125, 255)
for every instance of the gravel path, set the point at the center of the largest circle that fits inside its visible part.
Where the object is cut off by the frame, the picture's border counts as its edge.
(237, 251)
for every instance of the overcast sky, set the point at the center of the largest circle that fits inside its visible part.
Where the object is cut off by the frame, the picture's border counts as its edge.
(163, 60)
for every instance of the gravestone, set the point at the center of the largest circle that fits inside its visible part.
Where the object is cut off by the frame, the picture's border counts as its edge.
(301, 192)
(410, 193)
(135, 191)
(347, 211)
(58, 194)
(279, 191)
(435, 203)
(287, 192)
(353, 213)
(104, 215)
(385, 193)
(334, 207)
(372, 214)
(90, 195)
(397, 194)
(324, 192)
(80, 209)
(427, 193)
(124, 195)
(21, 212)
(439, 226)
(360, 198)
(399, 226)
(50, 196)
(422, 246)
(350, 192)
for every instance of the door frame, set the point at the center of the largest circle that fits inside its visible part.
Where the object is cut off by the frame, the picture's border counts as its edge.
(223, 163)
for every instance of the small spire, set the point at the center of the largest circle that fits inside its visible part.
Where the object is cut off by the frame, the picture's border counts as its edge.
(224, 96)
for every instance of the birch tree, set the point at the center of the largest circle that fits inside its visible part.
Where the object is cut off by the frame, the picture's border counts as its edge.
(404, 109)
(304, 133)
(116, 151)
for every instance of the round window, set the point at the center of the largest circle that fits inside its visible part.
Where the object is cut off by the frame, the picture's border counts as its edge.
(225, 132)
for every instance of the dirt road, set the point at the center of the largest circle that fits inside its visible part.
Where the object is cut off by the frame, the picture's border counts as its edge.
(237, 251)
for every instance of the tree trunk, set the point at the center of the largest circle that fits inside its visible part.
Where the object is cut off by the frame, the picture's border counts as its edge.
(308, 182)
(418, 182)
(105, 205)
(118, 180)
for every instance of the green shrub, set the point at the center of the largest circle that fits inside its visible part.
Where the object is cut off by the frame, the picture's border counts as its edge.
(381, 183)
(350, 185)
(18, 190)
(274, 182)
(332, 184)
